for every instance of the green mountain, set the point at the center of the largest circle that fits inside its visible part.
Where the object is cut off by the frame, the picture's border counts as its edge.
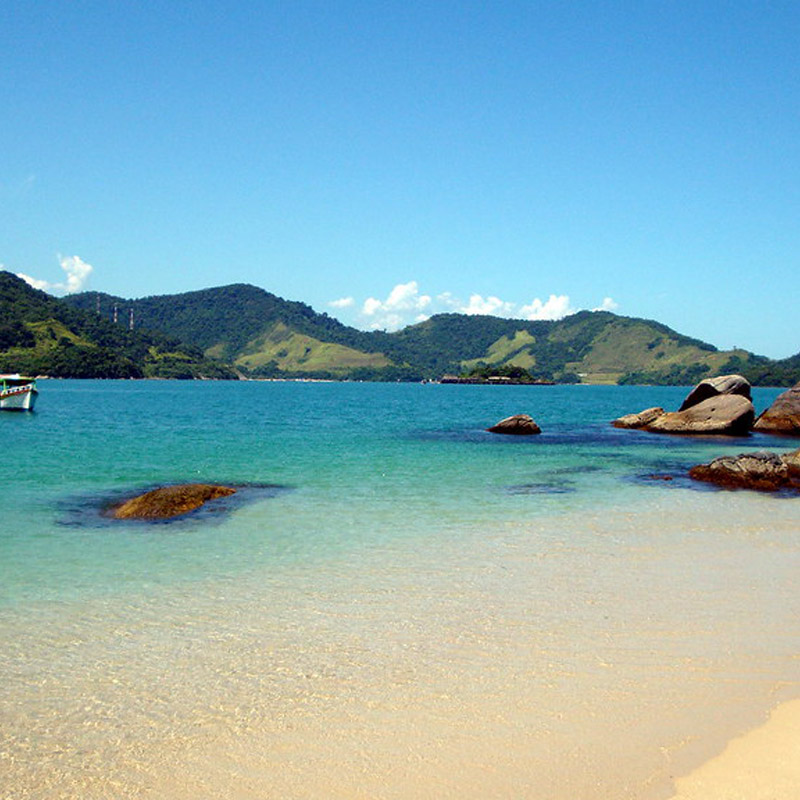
(590, 346)
(262, 335)
(41, 335)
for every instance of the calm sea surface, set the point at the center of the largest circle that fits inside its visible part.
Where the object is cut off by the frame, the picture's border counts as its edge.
(395, 604)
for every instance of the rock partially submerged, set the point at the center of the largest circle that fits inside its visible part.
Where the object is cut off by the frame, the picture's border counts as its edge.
(715, 406)
(170, 501)
(516, 425)
(640, 420)
(727, 414)
(765, 472)
(713, 387)
(783, 416)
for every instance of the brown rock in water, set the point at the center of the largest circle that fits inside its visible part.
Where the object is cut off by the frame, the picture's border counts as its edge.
(170, 501)
(713, 387)
(783, 416)
(765, 472)
(517, 425)
(640, 420)
(728, 414)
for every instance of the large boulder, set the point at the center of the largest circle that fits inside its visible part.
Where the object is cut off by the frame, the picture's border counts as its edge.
(517, 425)
(713, 387)
(640, 420)
(766, 472)
(728, 414)
(169, 501)
(783, 416)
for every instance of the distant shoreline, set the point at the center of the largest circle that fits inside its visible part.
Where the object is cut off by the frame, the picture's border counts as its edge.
(496, 381)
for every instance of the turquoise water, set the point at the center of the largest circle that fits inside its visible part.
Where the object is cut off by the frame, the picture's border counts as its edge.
(383, 552)
(351, 464)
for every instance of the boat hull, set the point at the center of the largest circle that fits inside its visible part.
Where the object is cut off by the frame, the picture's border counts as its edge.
(18, 398)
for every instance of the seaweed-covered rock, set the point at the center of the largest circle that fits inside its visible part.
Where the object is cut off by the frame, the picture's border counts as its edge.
(766, 472)
(516, 425)
(713, 387)
(640, 420)
(727, 414)
(783, 416)
(169, 501)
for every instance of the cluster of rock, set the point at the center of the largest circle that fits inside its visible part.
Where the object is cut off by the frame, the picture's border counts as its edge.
(721, 405)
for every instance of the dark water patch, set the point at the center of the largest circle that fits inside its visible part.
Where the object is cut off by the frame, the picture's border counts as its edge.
(541, 487)
(579, 469)
(587, 435)
(470, 436)
(664, 479)
(92, 510)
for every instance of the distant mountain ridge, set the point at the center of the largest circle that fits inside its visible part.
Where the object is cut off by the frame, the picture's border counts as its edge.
(262, 335)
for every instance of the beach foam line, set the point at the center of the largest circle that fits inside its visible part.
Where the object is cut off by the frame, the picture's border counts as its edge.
(763, 764)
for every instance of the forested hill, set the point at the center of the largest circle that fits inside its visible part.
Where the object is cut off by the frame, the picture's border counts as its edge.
(42, 335)
(225, 319)
(262, 335)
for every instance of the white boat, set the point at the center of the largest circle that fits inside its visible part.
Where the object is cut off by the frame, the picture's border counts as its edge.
(17, 393)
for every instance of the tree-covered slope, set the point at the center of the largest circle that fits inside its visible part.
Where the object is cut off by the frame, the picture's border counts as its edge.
(42, 335)
(225, 321)
(593, 346)
(765, 372)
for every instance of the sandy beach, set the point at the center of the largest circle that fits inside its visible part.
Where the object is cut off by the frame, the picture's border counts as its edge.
(763, 764)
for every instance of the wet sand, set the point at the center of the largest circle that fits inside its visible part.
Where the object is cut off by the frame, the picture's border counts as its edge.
(763, 764)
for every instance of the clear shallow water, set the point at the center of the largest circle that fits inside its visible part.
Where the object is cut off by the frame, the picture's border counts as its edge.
(416, 602)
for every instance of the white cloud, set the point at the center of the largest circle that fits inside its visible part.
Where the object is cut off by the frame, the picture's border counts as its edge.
(487, 305)
(77, 270)
(406, 296)
(556, 307)
(406, 305)
(35, 282)
(342, 302)
(371, 306)
(608, 304)
(391, 313)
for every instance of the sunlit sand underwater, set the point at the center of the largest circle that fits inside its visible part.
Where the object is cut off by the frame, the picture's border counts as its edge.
(416, 609)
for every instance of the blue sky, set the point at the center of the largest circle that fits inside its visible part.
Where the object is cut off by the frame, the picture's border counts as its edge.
(383, 161)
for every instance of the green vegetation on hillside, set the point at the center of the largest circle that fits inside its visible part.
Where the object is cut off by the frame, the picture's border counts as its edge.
(225, 322)
(41, 335)
(290, 352)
